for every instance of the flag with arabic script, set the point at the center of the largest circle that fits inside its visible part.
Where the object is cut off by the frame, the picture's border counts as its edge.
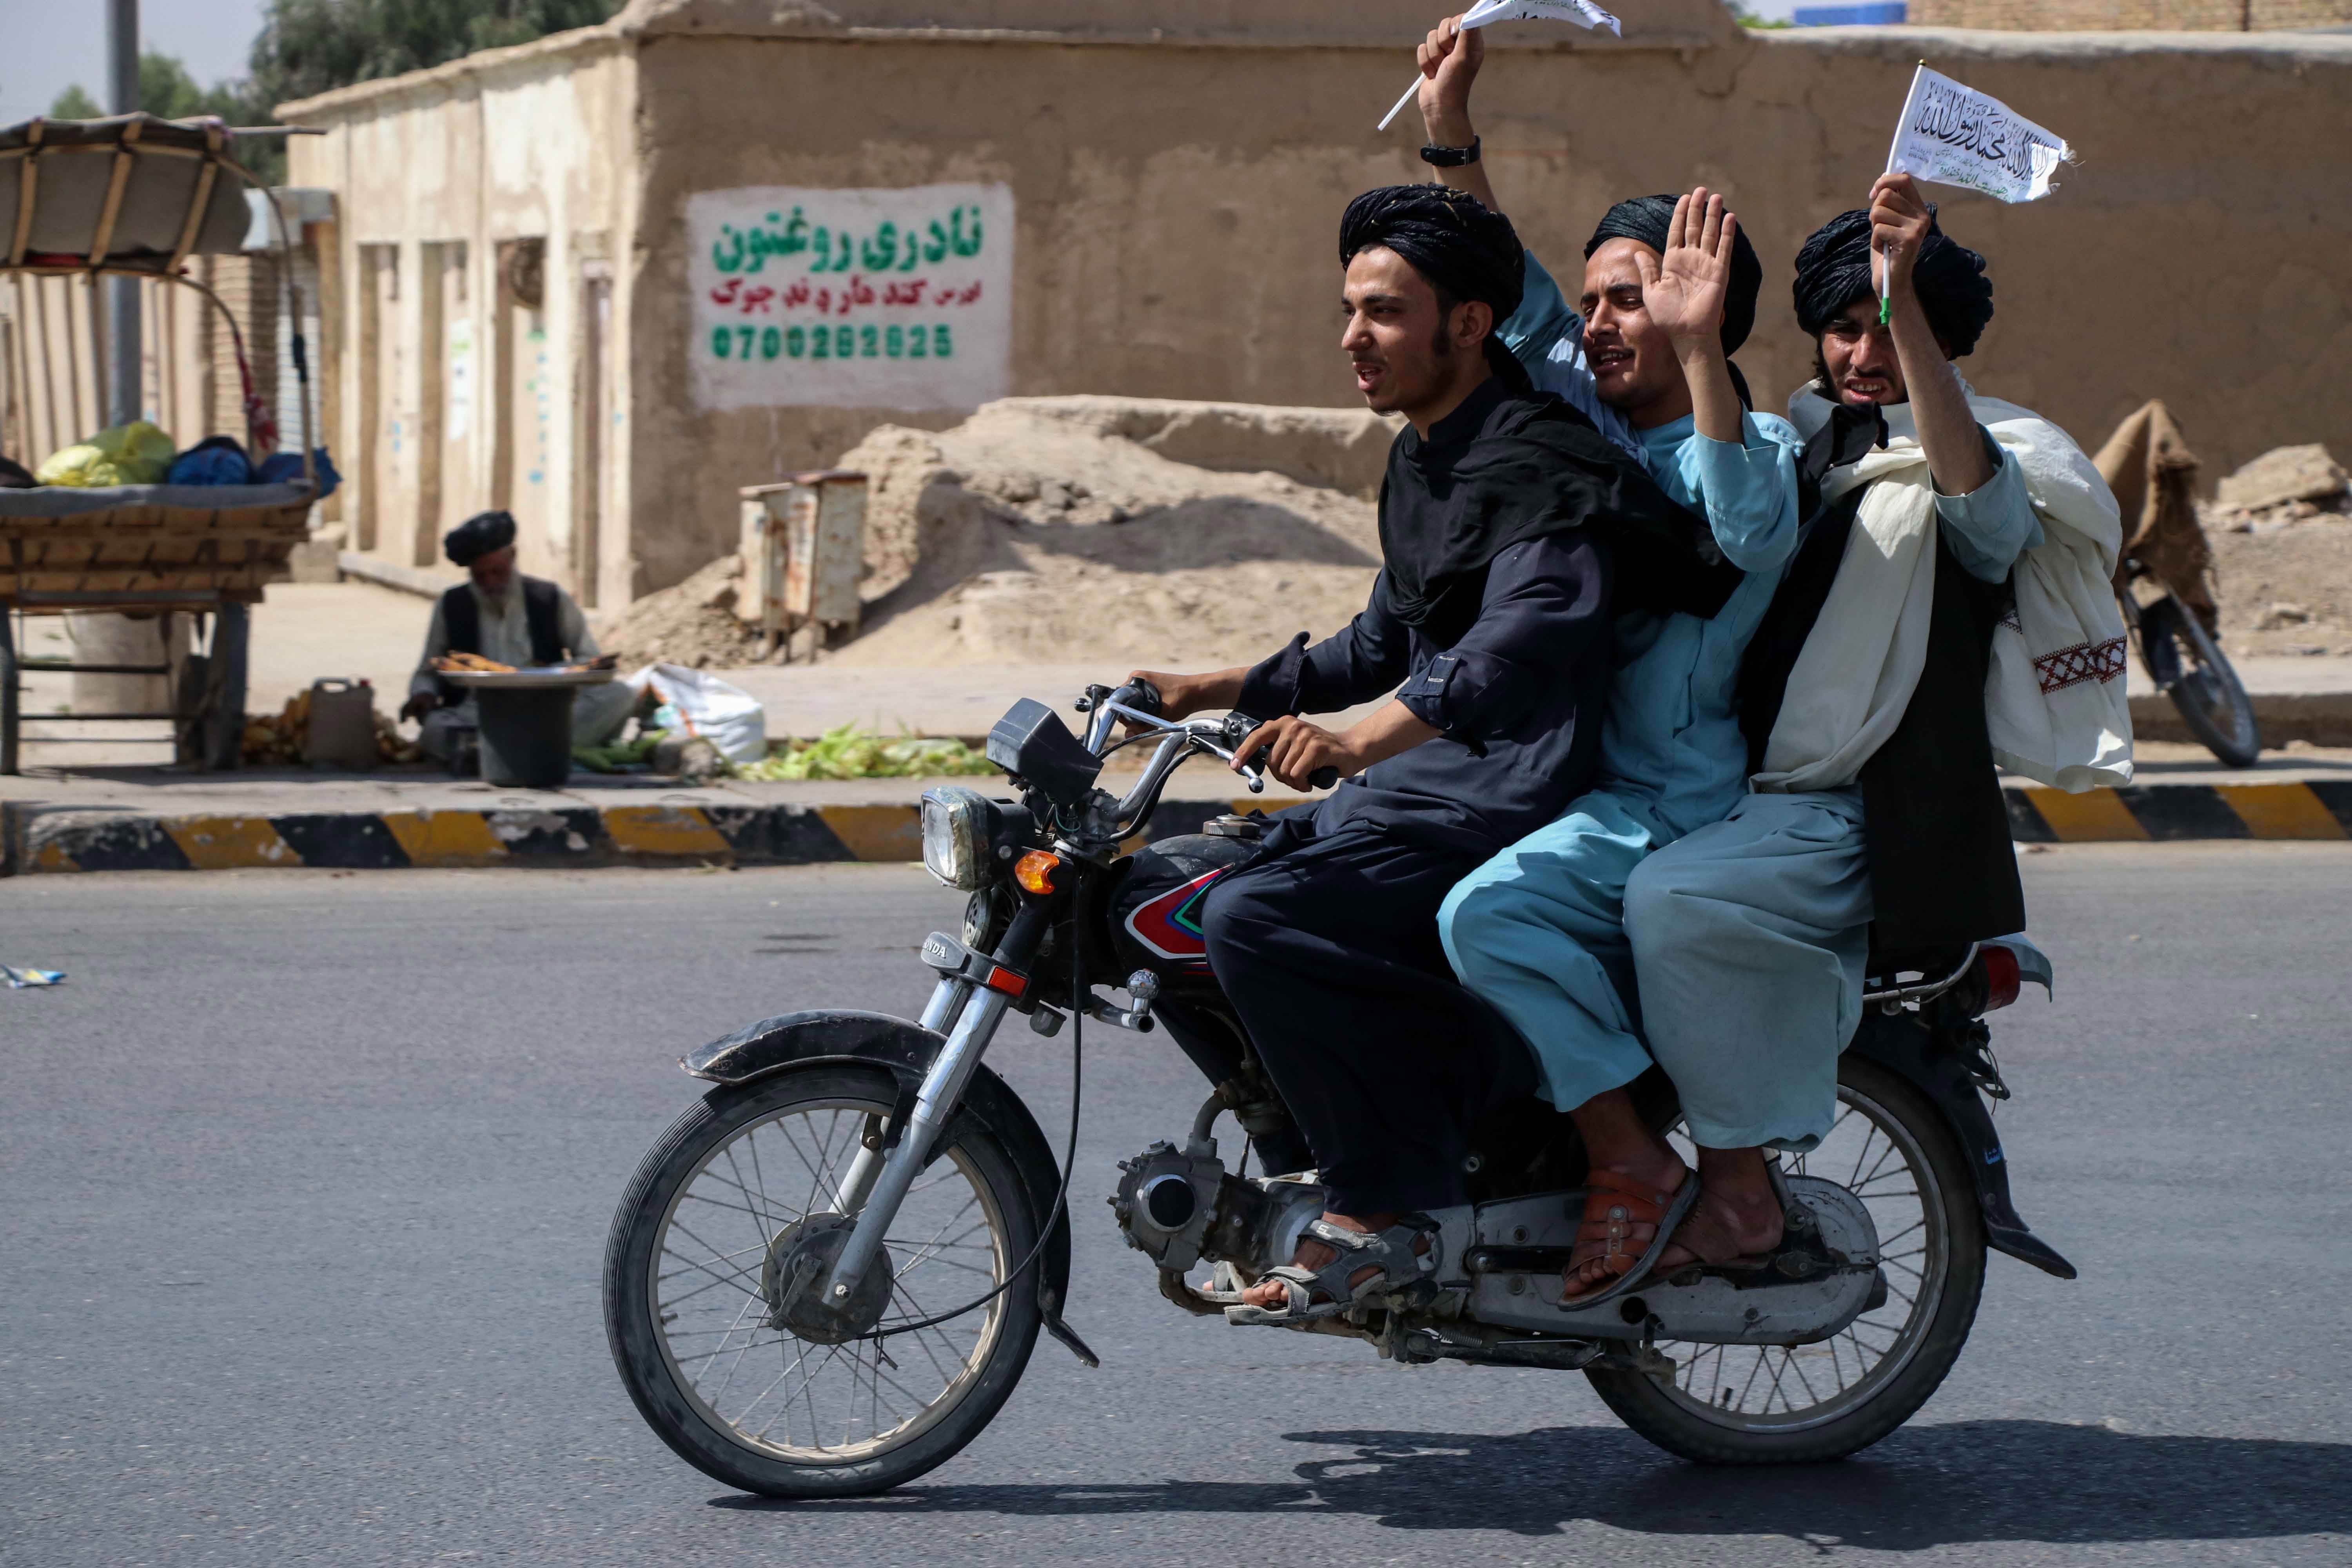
(1954, 135)
(1583, 13)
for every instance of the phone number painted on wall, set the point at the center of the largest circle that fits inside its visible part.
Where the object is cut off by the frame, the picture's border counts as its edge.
(896, 340)
(876, 298)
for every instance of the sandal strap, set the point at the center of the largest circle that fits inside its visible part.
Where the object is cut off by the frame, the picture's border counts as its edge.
(1684, 1198)
(1388, 1250)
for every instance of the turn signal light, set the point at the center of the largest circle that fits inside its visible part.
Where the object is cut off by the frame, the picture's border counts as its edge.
(1035, 870)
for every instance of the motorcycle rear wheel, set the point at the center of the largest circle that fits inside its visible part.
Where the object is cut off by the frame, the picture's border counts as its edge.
(1752, 1404)
(754, 1407)
(2182, 658)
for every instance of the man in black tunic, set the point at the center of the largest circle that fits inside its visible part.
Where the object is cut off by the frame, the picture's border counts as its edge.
(1511, 532)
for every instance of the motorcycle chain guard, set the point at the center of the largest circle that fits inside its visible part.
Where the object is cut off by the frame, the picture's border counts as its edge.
(1824, 1276)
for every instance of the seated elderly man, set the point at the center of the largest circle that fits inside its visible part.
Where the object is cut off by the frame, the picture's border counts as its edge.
(503, 615)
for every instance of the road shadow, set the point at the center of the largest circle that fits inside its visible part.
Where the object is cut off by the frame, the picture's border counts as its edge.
(1965, 1482)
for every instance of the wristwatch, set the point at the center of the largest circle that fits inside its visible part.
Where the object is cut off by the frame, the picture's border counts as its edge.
(1451, 157)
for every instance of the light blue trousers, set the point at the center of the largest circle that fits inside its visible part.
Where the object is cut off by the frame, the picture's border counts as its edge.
(1539, 932)
(1750, 938)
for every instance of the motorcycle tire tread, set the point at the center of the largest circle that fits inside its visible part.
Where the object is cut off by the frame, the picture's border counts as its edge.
(631, 1334)
(1636, 1399)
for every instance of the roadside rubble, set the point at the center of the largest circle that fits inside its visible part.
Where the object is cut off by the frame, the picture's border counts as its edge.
(2280, 532)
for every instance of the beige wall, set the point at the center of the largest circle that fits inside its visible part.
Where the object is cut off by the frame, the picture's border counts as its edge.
(1176, 206)
(2091, 15)
(433, 178)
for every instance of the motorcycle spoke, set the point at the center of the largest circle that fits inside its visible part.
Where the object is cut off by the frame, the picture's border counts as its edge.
(1761, 1387)
(824, 1401)
(737, 1364)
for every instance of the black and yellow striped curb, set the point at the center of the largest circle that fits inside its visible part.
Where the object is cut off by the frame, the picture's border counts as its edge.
(2312, 809)
(66, 839)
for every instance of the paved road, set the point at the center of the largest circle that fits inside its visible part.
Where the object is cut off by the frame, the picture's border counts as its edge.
(307, 1177)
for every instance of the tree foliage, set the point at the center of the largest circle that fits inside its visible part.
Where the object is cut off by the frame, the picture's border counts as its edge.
(310, 47)
(165, 89)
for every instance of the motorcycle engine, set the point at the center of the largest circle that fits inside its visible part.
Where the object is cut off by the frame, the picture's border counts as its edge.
(1166, 1202)
(1177, 1207)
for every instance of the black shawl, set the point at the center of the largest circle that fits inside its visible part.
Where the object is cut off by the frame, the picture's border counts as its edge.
(1505, 468)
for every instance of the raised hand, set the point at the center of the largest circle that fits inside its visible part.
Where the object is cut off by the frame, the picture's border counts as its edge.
(1448, 60)
(1899, 216)
(1684, 291)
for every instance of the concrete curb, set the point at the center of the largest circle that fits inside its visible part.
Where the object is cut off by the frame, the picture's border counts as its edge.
(65, 840)
(2321, 718)
(2318, 809)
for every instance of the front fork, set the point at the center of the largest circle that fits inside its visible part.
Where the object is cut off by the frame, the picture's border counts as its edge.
(878, 1179)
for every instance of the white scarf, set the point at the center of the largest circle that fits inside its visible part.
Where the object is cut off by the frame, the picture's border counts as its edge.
(2054, 700)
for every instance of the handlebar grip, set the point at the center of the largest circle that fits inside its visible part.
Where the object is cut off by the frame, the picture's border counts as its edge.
(1322, 778)
(1142, 696)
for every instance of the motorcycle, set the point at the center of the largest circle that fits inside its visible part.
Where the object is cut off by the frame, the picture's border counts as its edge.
(2186, 664)
(827, 1276)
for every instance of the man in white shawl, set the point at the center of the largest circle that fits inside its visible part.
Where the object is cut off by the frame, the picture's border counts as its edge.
(1955, 613)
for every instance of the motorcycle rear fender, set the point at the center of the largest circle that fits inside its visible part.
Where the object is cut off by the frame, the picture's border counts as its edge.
(840, 1037)
(1902, 1044)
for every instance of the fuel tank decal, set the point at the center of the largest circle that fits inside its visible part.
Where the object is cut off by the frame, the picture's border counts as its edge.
(1170, 925)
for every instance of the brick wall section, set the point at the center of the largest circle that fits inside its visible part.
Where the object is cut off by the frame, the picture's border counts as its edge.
(2129, 15)
(249, 286)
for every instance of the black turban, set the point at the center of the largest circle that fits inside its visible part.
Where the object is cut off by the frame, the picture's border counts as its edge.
(1648, 219)
(1836, 267)
(477, 536)
(1465, 249)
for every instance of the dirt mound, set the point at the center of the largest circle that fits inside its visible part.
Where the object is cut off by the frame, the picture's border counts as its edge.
(2283, 477)
(692, 623)
(2285, 588)
(2283, 554)
(1063, 530)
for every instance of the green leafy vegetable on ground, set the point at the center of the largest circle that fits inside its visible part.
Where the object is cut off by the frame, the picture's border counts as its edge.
(850, 753)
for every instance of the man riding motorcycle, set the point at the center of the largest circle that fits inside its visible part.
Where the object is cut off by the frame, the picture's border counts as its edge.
(1945, 612)
(1511, 533)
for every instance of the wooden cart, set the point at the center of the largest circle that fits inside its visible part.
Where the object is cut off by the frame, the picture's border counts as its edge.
(136, 196)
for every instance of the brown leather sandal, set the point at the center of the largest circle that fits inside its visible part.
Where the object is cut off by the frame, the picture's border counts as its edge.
(1614, 1204)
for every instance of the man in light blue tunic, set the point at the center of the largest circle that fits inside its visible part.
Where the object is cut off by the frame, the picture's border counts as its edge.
(1540, 931)
(1749, 936)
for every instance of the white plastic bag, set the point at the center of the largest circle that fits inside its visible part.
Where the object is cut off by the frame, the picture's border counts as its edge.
(726, 715)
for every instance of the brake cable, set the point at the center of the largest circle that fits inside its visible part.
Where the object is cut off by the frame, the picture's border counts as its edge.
(1058, 1213)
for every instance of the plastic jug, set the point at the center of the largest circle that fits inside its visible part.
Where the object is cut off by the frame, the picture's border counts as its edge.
(343, 725)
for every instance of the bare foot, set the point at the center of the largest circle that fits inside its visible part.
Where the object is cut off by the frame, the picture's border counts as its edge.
(1738, 1214)
(1312, 1254)
(1597, 1260)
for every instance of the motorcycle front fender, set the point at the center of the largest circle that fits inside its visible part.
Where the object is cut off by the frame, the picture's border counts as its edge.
(1903, 1045)
(844, 1037)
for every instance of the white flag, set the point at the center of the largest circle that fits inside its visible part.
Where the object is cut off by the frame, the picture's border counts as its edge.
(1581, 12)
(1956, 135)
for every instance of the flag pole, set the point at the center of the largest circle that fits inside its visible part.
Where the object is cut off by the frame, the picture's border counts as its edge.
(1893, 151)
(1401, 102)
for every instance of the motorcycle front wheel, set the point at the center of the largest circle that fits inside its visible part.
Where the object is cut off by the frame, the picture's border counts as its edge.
(690, 1274)
(2182, 658)
(1772, 1404)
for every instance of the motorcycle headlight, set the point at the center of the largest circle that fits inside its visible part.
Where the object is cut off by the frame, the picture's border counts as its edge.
(956, 837)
